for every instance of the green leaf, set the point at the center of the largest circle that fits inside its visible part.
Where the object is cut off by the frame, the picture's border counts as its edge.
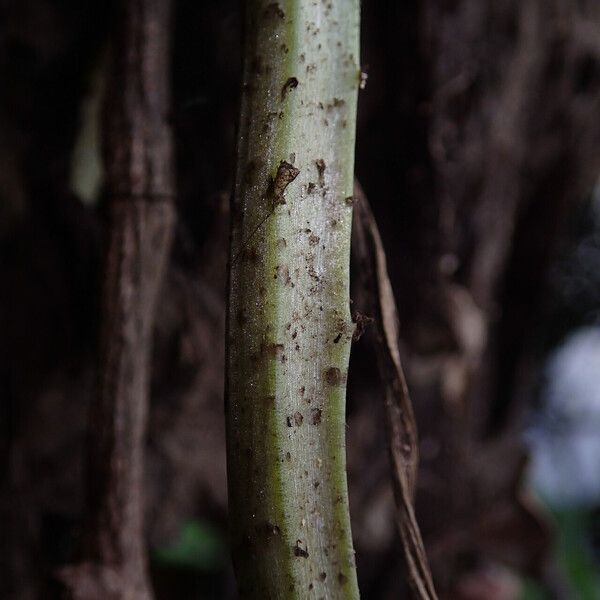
(575, 553)
(199, 545)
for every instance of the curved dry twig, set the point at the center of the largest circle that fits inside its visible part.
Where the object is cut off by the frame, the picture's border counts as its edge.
(400, 421)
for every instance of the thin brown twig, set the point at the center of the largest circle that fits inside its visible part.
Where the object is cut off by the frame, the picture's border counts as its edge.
(400, 421)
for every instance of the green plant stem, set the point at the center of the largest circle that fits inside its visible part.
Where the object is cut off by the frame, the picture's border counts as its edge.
(289, 324)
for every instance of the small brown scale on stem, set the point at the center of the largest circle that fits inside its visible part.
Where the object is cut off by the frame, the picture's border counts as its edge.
(286, 173)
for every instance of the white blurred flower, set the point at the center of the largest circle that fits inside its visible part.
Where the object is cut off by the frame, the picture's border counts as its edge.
(565, 441)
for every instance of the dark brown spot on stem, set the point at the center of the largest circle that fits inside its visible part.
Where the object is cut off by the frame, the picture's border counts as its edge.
(300, 549)
(289, 85)
(286, 173)
(321, 170)
(333, 376)
(272, 350)
(316, 414)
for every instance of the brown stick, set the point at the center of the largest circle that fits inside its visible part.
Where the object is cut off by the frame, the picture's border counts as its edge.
(400, 421)
(139, 168)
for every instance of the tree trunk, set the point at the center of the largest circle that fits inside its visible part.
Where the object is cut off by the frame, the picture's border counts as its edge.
(138, 155)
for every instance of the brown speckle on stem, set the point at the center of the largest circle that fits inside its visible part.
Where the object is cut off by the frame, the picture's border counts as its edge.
(286, 173)
(316, 414)
(321, 170)
(333, 376)
(300, 549)
(289, 85)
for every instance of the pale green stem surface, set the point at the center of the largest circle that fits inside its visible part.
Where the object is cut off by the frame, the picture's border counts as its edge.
(290, 330)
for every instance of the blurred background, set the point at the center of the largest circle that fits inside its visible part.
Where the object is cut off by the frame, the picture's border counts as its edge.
(479, 150)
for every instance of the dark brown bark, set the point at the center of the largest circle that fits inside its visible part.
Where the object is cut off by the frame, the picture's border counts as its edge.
(504, 107)
(497, 106)
(139, 167)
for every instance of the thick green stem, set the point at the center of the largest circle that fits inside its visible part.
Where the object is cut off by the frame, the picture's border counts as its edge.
(290, 329)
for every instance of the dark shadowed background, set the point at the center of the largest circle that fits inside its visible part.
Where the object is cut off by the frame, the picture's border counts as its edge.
(479, 150)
